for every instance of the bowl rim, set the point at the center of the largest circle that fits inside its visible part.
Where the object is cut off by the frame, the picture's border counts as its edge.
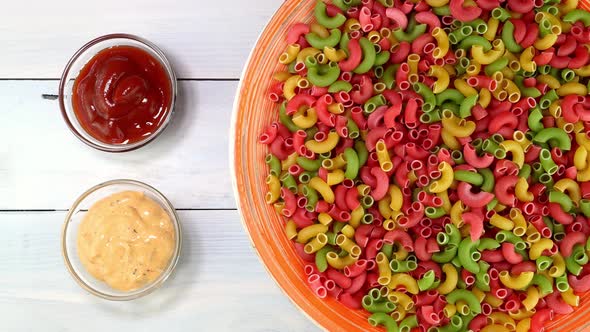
(232, 152)
(160, 56)
(157, 283)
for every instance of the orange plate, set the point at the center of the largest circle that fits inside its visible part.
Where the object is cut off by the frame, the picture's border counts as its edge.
(253, 111)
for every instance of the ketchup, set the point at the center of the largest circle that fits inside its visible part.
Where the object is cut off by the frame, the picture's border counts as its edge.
(122, 95)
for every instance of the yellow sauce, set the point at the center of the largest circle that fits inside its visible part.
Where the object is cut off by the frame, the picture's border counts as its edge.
(126, 240)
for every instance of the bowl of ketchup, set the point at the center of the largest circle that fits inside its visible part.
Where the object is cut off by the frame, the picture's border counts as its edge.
(117, 93)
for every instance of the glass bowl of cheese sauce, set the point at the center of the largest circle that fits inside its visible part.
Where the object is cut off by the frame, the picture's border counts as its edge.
(121, 240)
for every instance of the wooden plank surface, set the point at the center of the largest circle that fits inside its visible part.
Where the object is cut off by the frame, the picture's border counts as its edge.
(44, 166)
(219, 284)
(202, 38)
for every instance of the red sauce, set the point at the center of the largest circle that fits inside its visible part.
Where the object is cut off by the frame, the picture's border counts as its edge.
(122, 95)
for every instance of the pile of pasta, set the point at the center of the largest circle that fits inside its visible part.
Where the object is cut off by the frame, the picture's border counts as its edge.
(431, 159)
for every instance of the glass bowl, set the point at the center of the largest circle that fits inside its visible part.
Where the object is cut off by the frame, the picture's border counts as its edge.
(70, 233)
(79, 60)
(253, 111)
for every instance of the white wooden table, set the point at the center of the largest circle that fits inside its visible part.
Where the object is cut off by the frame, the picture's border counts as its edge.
(219, 284)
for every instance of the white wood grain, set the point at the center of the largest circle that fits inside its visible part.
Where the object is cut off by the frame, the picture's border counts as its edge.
(44, 166)
(202, 38)
(219, 284)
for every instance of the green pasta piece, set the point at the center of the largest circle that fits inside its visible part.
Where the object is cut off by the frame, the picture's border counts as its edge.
(506, 236)
(274, 164)
(488, 244)
(378, 71)
(306, 176)
(547, 162)
(452, 95)
(568, 75)
(547, 99)
(430, 117)
(508, 37)
(456, 36)
(526, 91)
(381, 58)
(469, 177)
(454, 234)
(367, 219)
(467, 105)
(410, 34)
(535, 120)
(434, 212)
(340, 86)
(381, 318)
(467, 296)
(352, 163)
(457, 157)
(429, 98)
(577, 15)
(323, 76)
(585, 207)
(544, 69)
(389, 76)
(470, 41)
(321, 261)
(525, 171)
(501, 14)
(353, 130)
(543, 263)
(555, 137)
(489, 146)
(312, 197)
(369, 55)
(446, 255)
(496, 66)
(402, 266)
(318, 42)
(331, 238)
(408, 323)
(362, 152)
(330, 22)
(489, 181)
(373, 103)
(285, 119)
(572, 266)
(309, 164)
(479, 25)
(562, 199)
(386, 3)
(482, 278)
(344, 40)
(288, 181)
(442, 11)
(387, 249)
(373, 306)
(467, 250)
(561, 283)
(367, 201)
(426, 281)
(442, 238)
(579, 255)
(492, 204)
(341, 4)
(546, 180)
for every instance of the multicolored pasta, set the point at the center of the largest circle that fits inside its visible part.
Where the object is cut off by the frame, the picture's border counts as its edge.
(431, 159)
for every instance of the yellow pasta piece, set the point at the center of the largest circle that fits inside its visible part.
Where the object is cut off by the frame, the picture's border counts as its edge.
(352, 24)
(572, 88)
(348, 231)
(316, 243)
(442, 78)
(485, 58)
(523, 325)
(445, 180)
(337, 162)
(320, 30)
(290, 54)
(437, 3)
(309, 232)
(485, 97)
(516, 150)
(325, 146)
(538, 247)
(492, 300)
(400, 254)
(355, 216)
(290, 86)
(457, 212)
(399, 314)
(464, 88)
(493, 24)
(449, 310)
(532, 234)
(305, 118)
(532, 298)
(325, 219)
(397, 199)
(442, 41)
(279, 206)
(444, 195)
(500, 94)
(405, 280)
(512, 89)
(546, 42)
(348, 245)
(462, 307)
(281, 76)
(383, 268)
(584, 71)
(526, 59)
(495, 328)
(384, 208)
(274, 189)
(401, 299)
(570, 298)
(307, 52)
(566, 126)
(457, 127)
(503, 319)
(290, 161)
(567, 6)
(558, 268)
(551, 81)
(555, 109)
(516, 282)
(555, 22)
(522, 313)
(501, 222)
(413, 60)
(570, 187)
(473, 69)
(520, 224)
(520, 137)
(335, 177)
(338, 262)
(291, 229)
(449, 139)
(322, 188)
(451, 279)
(383, 156)
(521, 190)
(580, 158)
